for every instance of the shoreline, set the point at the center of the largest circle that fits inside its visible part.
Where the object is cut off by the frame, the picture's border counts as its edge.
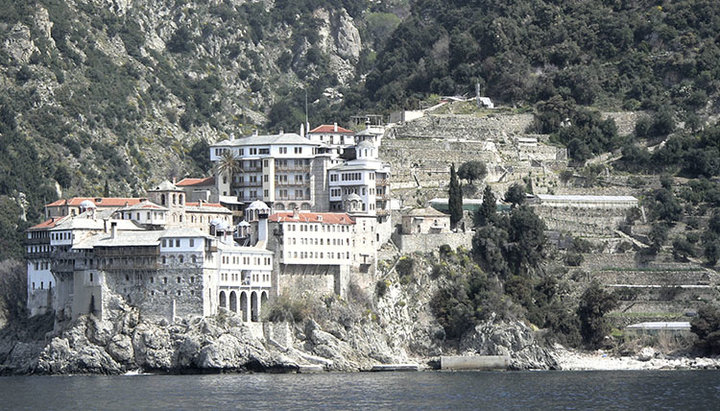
(571, 360)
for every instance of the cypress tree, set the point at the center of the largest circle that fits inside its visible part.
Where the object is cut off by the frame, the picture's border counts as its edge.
(486, 214)
(454, 197)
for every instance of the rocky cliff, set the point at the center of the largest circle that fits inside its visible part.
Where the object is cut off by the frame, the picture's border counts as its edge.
(333, 334)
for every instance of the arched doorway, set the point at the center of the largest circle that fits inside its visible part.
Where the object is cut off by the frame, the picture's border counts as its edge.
(233, 302)
(223, 299)
(244, 306)
(254, 309)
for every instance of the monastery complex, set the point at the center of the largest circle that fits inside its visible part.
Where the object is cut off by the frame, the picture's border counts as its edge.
(283, 214)
(299, 213)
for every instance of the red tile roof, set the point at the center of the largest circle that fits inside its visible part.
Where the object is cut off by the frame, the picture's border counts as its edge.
(99, 201)
(306, 217)
(46, 224)
(330, 128)
(185, 182)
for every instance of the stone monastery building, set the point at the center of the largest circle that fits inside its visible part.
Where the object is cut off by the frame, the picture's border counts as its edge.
(295, 214)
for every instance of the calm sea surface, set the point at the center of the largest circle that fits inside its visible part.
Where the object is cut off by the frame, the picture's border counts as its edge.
(603, 390)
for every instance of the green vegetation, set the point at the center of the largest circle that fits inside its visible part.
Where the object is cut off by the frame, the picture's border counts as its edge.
(706, 325)
(472, 170)
(455, 198)
(594, 304)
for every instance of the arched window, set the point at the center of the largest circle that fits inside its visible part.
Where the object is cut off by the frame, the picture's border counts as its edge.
(162, 199)
(181, 199)
(174, 199)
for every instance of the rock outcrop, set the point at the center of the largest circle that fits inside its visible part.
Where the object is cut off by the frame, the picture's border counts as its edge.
(513, 339)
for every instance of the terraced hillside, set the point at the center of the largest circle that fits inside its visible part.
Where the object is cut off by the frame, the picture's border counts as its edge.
(653, 291)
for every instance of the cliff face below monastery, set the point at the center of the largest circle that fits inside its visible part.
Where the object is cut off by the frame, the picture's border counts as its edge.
(333, 334)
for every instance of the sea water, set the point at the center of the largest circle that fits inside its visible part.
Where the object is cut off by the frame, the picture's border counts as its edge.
(602, 390)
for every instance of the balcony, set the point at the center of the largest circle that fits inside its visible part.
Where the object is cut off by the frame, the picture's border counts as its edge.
(291, 198)
(383, 197)
(250, 169)
(383, 212)
(382, 182)
(247, 184)
(302, 168)
(292, 183)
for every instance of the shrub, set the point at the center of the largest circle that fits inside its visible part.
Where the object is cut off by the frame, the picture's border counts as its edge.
(285, 308)
(574, 259)
(706, 325)
(405, 267)
(381, 288)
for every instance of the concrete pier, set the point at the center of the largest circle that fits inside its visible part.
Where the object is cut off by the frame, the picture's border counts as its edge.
(474, 362)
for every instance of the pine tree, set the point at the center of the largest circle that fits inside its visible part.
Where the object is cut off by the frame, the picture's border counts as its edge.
(454, 198)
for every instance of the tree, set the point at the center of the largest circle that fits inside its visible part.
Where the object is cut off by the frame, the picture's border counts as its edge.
(594, 304)
(515, 195)
(472, 170)
(486, 214)
(712, 252)
(13, 291)
(706, 325)
(454, 197)
(227, 164)
(658, 236)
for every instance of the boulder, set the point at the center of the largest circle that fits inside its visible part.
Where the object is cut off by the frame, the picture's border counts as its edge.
(510, 338)
(152, 346)
(121, 349)
(646, 354)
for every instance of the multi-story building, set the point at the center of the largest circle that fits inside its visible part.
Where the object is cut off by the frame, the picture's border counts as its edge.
(174, 259)
(285, 170)
(363, 179)
(332, 136)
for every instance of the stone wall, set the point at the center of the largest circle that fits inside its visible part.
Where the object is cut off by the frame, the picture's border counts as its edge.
(581, 222)
(40, 301)
(317, 280)
(410, 243)
(465, 126)
(166, 293)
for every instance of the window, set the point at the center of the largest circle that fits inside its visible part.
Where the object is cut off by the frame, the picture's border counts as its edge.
(333, 177)
(192, 242)
(164, 280)
(178, 280)
(182, 259)
(283, 150)
(298, 150)
(177, 243)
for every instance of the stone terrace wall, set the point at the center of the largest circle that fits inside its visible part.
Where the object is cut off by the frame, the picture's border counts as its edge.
(410, 243)
(469, 127)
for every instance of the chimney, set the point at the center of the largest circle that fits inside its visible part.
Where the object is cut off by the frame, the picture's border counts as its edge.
(232, 136)
(296, 212)
(113, 229)
(282, 131)
(174, 180)
(255, 132)
(262, 226)
(105, 226)
(335, 127)
(302, 130)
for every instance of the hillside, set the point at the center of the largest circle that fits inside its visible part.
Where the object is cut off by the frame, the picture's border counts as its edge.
(115, 95)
